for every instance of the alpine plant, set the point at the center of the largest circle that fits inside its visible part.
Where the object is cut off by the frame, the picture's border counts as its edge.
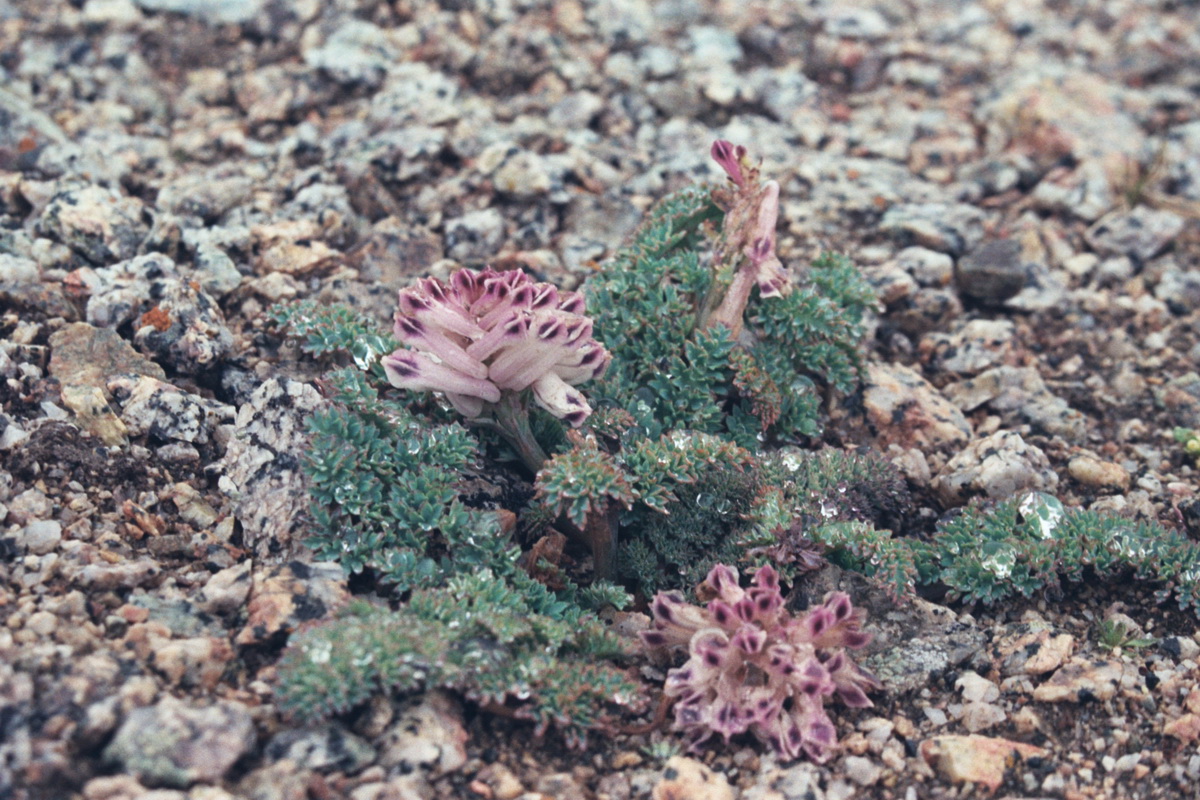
(485, 338)
(754, 667)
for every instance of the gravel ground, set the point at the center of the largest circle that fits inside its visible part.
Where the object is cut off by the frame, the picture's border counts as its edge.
(1019, 180)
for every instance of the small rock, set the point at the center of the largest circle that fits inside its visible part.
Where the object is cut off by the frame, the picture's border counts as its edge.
(1019, 396)
(1141, 233)
(1180, 647)
(1031, 649)
(1084, 679)
(992, 272)
(100, 224)
(974, 759)
(356, 53)
(972, 348)
(928, 267)
(226, 591)
(41, 536)
(976, 688)
(268, 490)
(325, 748)
(1097, 473)
(907, 410)
(212, 12)
(474, 237)
(952, 228)
(863, 771)
(687, 779)
(173, 744)
(428, 737)
(163, 412)
(997, 466)
(284, 596)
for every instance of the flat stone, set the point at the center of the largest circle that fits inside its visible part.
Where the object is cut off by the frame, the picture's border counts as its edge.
(1019, 396)
(905, 409)
(975, 759)
(688, 779)
(997, 466)
(952, 228)
(1098, 473)
(260, 472)
(174, 744)
(428, 737)
(972, 347)
(163, 412)
(1140, 233)
(324, 748)
(284, 596)
(1085, 679)
(41, 536)
(226, 591)
(100, 224)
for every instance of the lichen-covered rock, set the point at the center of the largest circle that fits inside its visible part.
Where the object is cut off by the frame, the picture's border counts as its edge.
(428, 737)
(1019, 396)
(150, 407)
(284, 596)
(261, 469)
(174, 744)
(100, 224)
(971, 347)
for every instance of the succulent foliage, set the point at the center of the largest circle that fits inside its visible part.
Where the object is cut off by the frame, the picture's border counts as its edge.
(1027, 544)
(477, 636)
(671, 371)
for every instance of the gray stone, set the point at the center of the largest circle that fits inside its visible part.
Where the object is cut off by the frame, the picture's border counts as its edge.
(928, 267)
(150, 407)
(428, 737)
(951, 228)
(971, 347)
(324, 749)
(992, 272)
(414, 93)
(1140, 234)
(100, 224)
(1019, 396)
(41, 536)
(997, 466)
(217, 273)
(475, 236)
(226, 591)
(903, 408)
(269, 490)
(213, 12)
(173, 744)
(357, 52)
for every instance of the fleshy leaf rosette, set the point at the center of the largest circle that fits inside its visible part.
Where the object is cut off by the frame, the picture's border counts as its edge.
(754, 667)
(486, 334)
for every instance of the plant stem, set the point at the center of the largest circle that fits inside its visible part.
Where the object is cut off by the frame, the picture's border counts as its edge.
(512, 420)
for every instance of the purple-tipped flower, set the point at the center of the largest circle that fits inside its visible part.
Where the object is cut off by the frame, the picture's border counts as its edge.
(753, 667)
(488, 333)
(747, 236)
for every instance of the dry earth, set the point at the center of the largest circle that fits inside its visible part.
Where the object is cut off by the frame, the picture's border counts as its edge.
(1020, 180)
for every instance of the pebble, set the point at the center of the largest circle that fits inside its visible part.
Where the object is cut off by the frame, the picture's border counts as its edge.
(952, 228)
(154, 408)
(323, 748)
(41, 536)
(100, 224)
(687, 779)
(974, 759)
(1140, 233)
(175, 744)
(1084, 679)
(905, 409)
(474, 237)
(284, 596)
(1019, 396)
(862, 771)
(428, 737)
(997, 466)
(1098, 473)
(971, 347)
(992, 272)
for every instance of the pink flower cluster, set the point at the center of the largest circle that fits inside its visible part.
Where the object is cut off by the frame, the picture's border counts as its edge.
(755, 668)
(487, 333)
